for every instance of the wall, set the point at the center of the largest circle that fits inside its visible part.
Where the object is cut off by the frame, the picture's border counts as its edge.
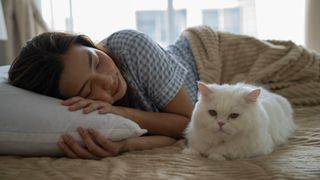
(281, 20)
(313, 25)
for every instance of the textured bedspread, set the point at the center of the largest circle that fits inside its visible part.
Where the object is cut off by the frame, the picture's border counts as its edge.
(299, 159)
(295, 76)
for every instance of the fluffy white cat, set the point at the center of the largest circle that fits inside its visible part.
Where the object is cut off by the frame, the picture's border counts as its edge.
(237, 121)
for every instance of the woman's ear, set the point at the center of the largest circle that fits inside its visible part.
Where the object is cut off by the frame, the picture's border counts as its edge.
(203, 88)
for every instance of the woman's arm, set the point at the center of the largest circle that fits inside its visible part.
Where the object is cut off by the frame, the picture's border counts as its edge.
(97, 146)
(171, 122)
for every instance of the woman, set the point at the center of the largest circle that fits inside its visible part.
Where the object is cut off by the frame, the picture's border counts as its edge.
(126, 74)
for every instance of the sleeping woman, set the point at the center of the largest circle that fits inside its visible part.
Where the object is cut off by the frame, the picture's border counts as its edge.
(127, 74)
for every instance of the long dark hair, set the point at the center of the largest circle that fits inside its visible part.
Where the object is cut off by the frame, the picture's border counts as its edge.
(39, 65)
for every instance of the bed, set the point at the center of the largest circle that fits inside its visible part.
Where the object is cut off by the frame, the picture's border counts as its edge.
(298, 159)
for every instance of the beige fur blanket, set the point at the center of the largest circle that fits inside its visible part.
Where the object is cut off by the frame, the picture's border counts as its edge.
(282, 66)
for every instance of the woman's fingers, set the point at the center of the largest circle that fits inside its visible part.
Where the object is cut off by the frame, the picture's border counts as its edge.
(91, 145)
(93, 106)
(80, 104)
(77, 103)
(88, 105)
(72, 100)
(113, 148)
(102, 107)
(66, 150)
(74, 147)
(105, 109)
(97, 146)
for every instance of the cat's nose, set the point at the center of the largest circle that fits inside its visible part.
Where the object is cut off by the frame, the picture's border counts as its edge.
(221, 123)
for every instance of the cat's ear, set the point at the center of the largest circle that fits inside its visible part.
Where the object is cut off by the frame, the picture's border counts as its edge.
(203, 88)
(253, 95)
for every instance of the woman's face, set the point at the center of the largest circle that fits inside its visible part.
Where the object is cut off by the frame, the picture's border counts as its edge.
(92, 74)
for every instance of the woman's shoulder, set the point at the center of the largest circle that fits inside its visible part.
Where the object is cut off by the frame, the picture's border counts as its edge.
(125, 33)
(130, 41)
(125, 36)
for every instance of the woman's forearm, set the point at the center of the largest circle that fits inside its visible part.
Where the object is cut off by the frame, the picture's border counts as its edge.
(157, 123)
(146, 142)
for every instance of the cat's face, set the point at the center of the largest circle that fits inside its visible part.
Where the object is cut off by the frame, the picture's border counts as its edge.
(226, 110)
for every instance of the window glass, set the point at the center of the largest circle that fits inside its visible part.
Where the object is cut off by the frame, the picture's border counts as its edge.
(154, 23)
(232, 20)
(211, 18)
(163, 20)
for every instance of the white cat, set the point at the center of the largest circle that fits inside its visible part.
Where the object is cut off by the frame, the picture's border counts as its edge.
(237, 121)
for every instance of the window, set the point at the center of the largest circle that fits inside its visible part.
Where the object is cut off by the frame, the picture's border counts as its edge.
(163, 20)
(232, 20)
(154, 23)
(228, 19)
(211, 18)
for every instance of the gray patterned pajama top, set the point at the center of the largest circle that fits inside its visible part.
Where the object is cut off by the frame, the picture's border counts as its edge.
(155, 73)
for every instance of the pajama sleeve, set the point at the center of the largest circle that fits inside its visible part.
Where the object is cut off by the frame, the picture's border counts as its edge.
(158, 74)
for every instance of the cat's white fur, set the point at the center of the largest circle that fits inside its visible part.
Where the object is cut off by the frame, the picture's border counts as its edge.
(265, 121)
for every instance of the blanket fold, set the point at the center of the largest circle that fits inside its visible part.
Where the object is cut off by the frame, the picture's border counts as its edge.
(281, 66)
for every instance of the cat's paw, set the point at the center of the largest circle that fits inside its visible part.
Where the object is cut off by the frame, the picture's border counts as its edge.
(190, 151)
(217, 157)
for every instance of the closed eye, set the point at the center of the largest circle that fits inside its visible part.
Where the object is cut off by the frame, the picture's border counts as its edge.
(98, 63)
(85, 84)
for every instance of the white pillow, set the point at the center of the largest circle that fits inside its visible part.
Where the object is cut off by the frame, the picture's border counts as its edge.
(31, 124)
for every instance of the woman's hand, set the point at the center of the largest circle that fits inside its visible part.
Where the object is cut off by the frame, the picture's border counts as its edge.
(88, 105)
(96, 145)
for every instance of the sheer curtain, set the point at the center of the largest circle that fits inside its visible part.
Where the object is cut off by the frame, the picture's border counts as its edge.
(3, 29)
(23, 20)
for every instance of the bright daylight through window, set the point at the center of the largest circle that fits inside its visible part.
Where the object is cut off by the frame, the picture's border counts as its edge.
(163, 20)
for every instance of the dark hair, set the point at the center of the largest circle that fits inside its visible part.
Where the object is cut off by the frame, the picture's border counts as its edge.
(39, 65)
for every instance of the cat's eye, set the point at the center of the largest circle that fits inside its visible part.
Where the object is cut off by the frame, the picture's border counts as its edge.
(212, 112)
(234, 115)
